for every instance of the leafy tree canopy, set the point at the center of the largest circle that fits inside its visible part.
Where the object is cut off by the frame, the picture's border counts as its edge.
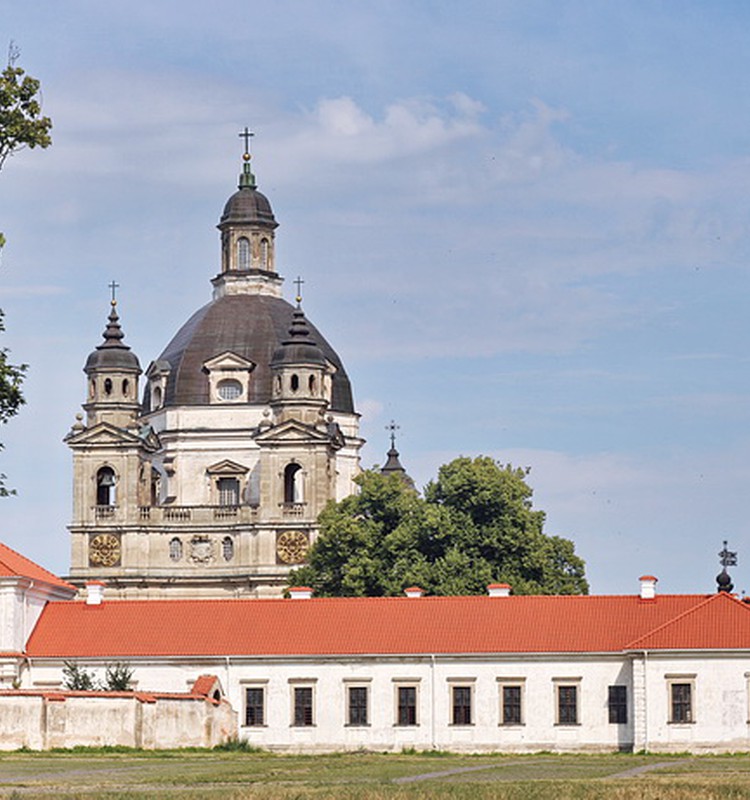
(21, 125)
(474, 526)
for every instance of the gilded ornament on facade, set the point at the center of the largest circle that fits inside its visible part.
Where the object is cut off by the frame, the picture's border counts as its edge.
(104, 550)
(292, 547)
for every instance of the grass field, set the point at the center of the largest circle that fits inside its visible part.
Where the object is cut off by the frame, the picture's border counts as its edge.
(178, 775)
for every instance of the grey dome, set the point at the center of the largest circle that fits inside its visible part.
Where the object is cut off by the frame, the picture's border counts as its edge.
(252, 326)
(112, 353)
(248, 205)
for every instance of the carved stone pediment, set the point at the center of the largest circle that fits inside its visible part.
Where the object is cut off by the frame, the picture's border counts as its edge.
(227, 467)
(103, 434)
(291, 432)
(228, 362)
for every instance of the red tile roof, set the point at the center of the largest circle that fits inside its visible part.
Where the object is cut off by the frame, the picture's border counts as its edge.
(720, 622)
(333, 626)
(13, 564)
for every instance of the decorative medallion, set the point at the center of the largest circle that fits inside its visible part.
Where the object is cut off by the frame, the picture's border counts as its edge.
(292, 547)
(104, 550)
(201, 550)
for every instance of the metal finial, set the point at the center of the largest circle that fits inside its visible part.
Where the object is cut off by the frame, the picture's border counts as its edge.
(727, 558)
(114, 286)
(392, 427)
(247, 134)
(298, 283)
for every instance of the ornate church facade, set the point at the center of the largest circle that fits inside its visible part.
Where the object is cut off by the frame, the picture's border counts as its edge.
(207, 480)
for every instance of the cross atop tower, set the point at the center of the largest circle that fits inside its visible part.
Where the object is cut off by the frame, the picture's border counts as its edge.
(114, 286)
(392, 427)
(727, 558)
(247, 134)
(298, 283)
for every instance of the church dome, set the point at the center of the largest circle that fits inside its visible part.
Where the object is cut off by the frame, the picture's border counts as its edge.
(112, 353)
(253, 326)
(248, 206)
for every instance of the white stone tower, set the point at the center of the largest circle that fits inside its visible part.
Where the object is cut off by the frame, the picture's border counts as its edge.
(212, 486)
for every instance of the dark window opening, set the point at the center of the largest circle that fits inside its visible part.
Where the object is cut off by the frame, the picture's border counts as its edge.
(618, 705)
(303, 706)
(407, 705)
(254, 707)
(682, 706)
(567, 705)
(108, 386)
(105, 487)
(461, 705)
(512, 705)
(243, 253)
(292, 483)
(294, 383)
(125, 386)
(358, 705)
(227, 548)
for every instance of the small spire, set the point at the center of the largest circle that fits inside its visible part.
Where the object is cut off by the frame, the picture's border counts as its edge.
(247, 179)
(393, 464)
(298, 283)
(727, 558)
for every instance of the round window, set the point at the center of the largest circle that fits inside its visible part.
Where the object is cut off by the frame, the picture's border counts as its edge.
(229, 389)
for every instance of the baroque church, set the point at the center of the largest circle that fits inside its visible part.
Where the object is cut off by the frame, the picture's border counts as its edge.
(207, 480)
(197, 487)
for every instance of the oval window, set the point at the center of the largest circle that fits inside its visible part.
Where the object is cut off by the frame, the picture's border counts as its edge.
(229, 389)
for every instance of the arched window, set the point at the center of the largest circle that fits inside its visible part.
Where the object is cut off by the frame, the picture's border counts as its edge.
(264, 253)
(125, 386)
(227, 548)
(243, 253)
(175, 549)
(293, 483)
(156, 398)
(294, 383)
(105, 487)
(229, 389)
(311, 384)
(92, 388)
(108, 386)
(155, 486)
(229, 491)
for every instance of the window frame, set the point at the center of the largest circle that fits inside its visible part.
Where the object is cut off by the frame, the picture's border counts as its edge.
(562, 687)
(617, 704)
(297, 688)
(406, 686)
(255, 687)
(516, 684)
(358, 687)
(461, 713)
(688, 682)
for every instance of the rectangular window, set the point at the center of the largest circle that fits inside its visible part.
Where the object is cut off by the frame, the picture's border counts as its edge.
(357, 697)
(618, 705)
(461, 700)
(510, 699)
(255, 706)
(682, 702)
(229, 491)
(406, 705)
(567, 705)
(303, 706)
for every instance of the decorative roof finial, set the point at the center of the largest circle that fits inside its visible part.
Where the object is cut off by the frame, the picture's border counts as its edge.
(114, 286)
(298, 283)
(727, 558)
(392, 427)
(247, 179)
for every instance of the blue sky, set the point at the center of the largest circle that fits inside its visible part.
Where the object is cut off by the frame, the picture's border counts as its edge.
(525, 226)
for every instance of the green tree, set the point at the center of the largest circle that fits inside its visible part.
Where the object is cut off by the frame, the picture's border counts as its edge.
(474, 526)
(21, 125)
(77, 679)
(117, 677)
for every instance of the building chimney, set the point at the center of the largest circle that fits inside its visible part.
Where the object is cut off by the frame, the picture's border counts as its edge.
(414, 591)
(94, 593)
(498, 589)
(648, 587)
(300, 592)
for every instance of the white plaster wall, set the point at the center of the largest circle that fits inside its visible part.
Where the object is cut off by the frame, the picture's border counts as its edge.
(720, 702)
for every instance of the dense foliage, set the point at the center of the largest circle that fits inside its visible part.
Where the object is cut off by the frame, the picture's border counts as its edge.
(21, 125)
(475, 525)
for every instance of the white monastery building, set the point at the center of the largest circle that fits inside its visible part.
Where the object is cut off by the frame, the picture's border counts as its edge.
(197, 487)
